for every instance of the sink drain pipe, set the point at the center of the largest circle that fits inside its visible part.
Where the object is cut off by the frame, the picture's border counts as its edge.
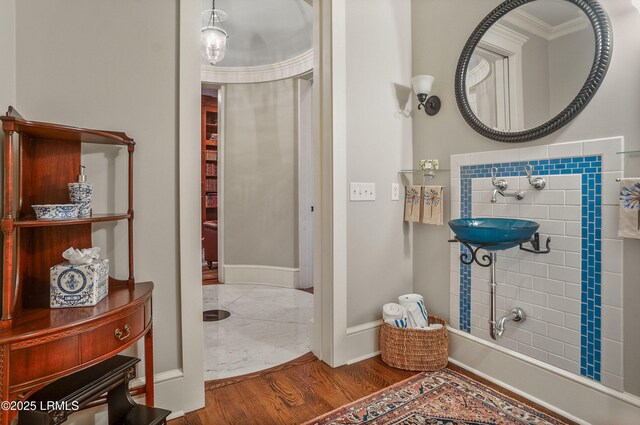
(492, 291)
(496, 329)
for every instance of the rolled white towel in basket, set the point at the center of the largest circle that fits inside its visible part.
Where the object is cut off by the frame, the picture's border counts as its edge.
(395, 315)
(416, 311)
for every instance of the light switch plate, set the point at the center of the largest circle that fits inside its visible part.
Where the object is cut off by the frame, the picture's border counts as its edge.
(355, 192)
(395, 191)
(362, 192)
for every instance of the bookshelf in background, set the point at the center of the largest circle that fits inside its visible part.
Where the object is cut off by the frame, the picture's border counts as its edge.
(209, 196)
(209, 158)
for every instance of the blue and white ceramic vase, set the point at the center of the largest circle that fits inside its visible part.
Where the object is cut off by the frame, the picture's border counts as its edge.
(80, 193)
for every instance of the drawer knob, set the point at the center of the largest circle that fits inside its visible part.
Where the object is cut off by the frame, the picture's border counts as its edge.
(120, 336)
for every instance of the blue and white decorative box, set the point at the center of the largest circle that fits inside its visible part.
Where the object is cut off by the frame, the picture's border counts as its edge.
(79, 285)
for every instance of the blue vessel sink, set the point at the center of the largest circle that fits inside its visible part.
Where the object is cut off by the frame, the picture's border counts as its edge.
(505, 233)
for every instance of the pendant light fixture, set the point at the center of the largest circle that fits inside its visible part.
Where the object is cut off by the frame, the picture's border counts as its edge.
(214, 39)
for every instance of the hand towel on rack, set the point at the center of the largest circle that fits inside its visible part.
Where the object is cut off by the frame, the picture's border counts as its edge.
(412, 201)
(629, 221)
(416, 311)
(432, 209)
(395, 315)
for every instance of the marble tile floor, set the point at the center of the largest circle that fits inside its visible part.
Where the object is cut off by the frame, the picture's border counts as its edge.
(268, 326)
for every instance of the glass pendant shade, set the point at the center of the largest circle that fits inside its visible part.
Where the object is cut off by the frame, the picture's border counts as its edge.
(422, 84)
(214, 42)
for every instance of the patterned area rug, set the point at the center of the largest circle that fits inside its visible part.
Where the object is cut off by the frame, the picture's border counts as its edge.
(437, 398)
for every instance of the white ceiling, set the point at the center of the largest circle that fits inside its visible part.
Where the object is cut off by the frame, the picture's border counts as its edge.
(264, 32)
(553, 12)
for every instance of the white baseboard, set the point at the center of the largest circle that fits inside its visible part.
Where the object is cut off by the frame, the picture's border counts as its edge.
(572, 396)
(365, 357)
(362, 341)
(266, 275)
(159, 378)
(168, 395)
(169, 390)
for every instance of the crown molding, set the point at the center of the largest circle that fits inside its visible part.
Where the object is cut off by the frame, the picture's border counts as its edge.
(569, 27)
(505, 38)
(258, 74)
(535, 26)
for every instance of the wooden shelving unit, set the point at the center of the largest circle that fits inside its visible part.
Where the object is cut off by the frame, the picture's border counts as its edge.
(209, 158)
(39, 344)
(209, 141)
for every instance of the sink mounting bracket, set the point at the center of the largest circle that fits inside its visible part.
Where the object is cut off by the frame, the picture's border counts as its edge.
(535, 243)
(472, 255)
(485, 260)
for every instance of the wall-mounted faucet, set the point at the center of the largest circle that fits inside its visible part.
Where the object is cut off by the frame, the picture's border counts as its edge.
(517, 315)
(537, 182)
(500, 186)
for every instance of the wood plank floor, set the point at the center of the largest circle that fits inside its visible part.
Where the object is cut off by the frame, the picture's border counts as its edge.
(301, 391)
(293, 395)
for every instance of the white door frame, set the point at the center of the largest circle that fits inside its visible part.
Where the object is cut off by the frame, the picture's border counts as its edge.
(304, 136)
(190, 224)
(327, 180)
(508, 43)
(330, 223)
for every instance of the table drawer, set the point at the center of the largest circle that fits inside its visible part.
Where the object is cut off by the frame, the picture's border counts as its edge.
(43, 360)
(112, 336)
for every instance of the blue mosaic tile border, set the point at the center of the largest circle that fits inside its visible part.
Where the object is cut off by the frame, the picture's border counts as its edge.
(465, 270)
(590, 167)
(591, 294)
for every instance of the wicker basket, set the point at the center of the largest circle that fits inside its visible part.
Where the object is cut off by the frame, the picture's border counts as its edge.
(415, 349)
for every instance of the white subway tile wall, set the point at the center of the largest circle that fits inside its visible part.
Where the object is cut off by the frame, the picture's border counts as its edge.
(548, 287)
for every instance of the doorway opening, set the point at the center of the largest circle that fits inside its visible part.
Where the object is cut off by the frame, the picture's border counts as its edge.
(257, 225)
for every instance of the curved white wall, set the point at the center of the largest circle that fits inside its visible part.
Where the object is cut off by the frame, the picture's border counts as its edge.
(260, 183)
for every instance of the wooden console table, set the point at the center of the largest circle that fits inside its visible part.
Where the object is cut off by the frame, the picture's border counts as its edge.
(32, 355)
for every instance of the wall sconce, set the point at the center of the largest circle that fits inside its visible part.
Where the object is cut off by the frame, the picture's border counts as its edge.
(422, 86)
